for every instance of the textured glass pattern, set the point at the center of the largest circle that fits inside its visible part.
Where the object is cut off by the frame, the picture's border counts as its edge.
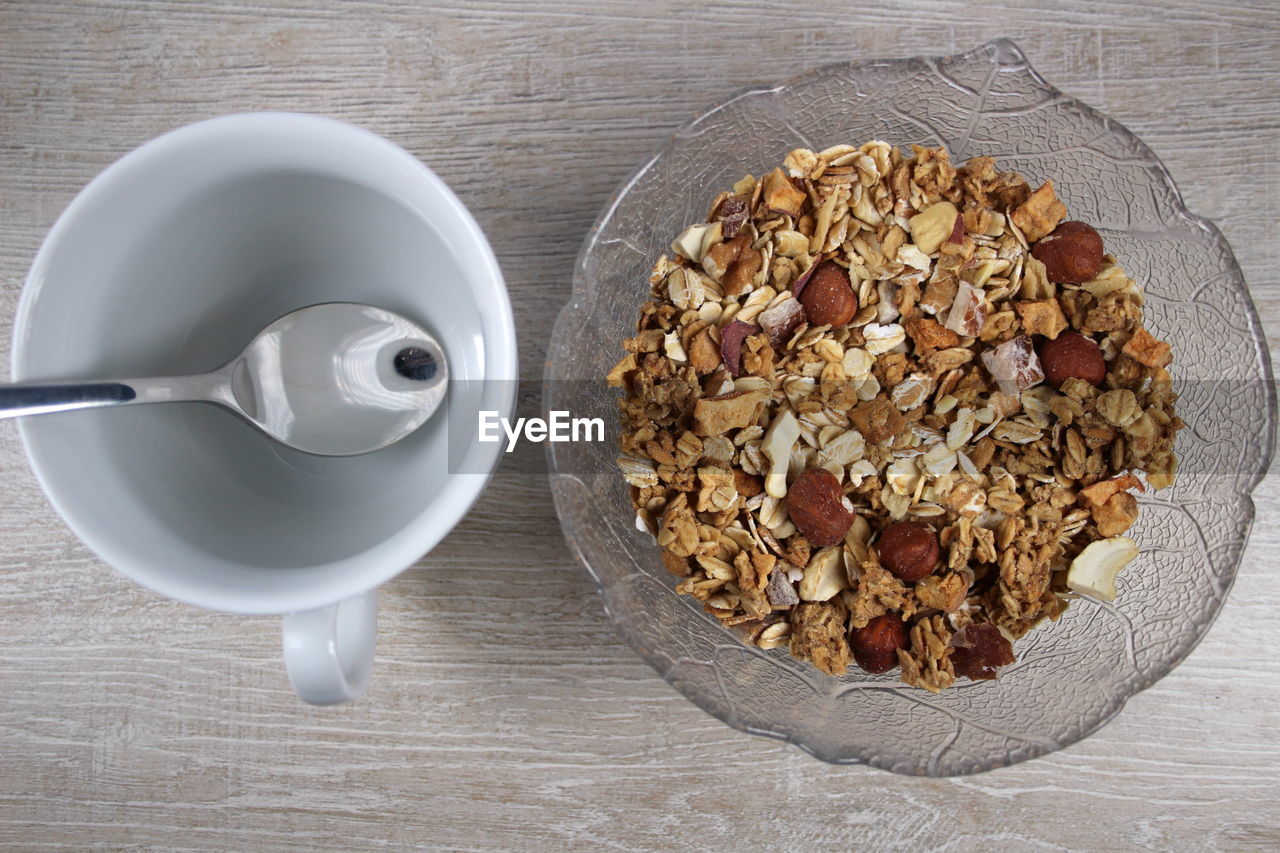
(1071, 676)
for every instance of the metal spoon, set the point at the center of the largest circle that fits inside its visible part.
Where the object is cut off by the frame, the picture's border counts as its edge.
(336, 379)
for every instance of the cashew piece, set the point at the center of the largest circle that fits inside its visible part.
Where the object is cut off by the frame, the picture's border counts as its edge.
(778, 441)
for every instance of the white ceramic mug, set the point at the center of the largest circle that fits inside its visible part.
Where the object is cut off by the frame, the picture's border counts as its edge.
(168, 263)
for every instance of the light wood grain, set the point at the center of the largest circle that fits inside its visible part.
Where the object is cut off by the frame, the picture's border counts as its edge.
(505, 713)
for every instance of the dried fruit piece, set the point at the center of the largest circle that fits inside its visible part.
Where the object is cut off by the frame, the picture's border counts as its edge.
(741, 275)
(1117, 515)
(1071, 355)
(938, 296)
(1147, 350)
(731, 338)
(968, 313)
(1041, 317)
(1093, 572)
(929, 334)
(720, 257)
(816, 505)
(827, 296)
(1014, 365)
(909, 549)
(704, 354)
(1071, 254)
(1103, 490)
(1040, 213)
(876, 644)
(718, 415)
(978, 649)
(779, 321)
(933, 226)
(733, 214)
(733, 264)
(781, 195)
(780, 592)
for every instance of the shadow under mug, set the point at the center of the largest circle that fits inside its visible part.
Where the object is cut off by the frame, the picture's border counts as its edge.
(169, 262)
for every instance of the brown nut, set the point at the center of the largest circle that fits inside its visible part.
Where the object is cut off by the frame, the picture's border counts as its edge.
(1072, 356)
(1071, 253)
(827, 297)
(875, 646)
(978, 649)
(815, 503)
(909, 549)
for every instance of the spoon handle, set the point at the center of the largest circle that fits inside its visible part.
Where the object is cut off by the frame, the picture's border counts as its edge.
(19, 400)
(38, 398)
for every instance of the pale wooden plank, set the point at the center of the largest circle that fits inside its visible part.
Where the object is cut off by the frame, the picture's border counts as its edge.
(506, 714)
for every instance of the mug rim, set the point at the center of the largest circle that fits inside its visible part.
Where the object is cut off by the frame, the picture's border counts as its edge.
(367, 569)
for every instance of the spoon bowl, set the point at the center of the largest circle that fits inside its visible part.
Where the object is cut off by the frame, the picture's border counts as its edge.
(334, 379)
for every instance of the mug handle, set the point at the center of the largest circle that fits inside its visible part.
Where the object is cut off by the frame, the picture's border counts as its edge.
(328, 652)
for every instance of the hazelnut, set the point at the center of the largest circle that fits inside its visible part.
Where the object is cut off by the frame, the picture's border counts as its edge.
(815, 503)
(875, 645)
(909, 549)
(1071, 253)
(827, 297)
(1072, 356)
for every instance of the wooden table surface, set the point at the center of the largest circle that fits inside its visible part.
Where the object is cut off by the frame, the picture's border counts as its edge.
(505, 713)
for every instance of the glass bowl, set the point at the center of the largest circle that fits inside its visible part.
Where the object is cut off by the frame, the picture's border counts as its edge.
(1072, 675)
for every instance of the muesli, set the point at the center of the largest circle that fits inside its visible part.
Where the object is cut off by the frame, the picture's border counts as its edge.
(887, 411)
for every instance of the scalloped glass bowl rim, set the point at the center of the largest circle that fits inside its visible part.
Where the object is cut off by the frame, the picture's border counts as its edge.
(998, 50)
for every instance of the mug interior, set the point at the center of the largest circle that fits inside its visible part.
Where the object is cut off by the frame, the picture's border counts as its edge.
(169, 263)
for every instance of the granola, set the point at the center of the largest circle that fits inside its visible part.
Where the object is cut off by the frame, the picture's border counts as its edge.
(866, 342)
